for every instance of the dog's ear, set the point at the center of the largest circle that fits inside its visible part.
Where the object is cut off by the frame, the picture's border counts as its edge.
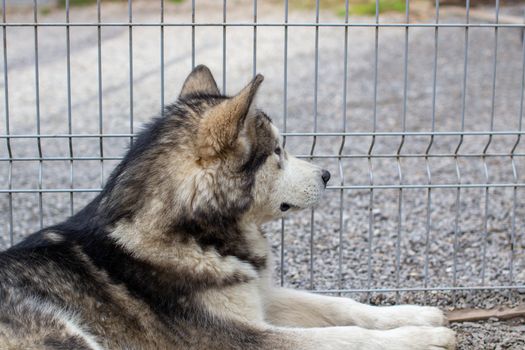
(221, 125)
(200, 80)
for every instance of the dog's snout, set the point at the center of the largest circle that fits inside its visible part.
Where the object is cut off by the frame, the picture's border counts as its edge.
(325, 176)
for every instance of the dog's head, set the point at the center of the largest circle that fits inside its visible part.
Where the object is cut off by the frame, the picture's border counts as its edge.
(213, 159)
(239, 148)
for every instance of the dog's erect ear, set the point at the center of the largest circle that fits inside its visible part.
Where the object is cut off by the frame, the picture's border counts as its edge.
(200, 80)
(220, 126)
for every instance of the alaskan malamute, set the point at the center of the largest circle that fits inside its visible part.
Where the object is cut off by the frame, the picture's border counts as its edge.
(170, 255)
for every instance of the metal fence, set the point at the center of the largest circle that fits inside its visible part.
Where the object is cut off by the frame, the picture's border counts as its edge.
(477, 199)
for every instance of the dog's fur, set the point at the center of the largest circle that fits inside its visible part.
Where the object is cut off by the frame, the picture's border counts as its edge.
(170, 255)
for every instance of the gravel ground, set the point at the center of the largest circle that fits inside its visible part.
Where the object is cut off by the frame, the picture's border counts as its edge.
(340, 234)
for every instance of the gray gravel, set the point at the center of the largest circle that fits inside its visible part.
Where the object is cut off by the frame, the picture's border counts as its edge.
(300, 111)
(492, 334)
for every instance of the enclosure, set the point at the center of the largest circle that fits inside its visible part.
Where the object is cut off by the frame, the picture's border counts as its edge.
(417, 113)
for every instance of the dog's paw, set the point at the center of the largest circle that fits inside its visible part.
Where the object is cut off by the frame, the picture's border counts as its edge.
(412, 315)
(428, 316)
(437, 338)
(422, 338)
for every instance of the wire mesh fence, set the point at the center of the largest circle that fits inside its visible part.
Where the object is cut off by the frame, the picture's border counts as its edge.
(419, 120)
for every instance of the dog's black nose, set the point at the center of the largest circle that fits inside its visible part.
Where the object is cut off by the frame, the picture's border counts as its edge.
(325, 176)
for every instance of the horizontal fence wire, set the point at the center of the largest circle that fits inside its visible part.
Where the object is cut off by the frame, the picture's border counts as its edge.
(291, 134)
(350, 144)
(422, 289)
(261, 24)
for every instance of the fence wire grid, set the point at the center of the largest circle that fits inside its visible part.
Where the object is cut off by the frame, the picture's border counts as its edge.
(419, 121)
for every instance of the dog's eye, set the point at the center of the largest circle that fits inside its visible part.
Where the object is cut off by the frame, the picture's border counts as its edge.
(278, 151)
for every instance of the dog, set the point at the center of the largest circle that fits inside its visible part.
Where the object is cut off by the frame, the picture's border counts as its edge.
(171, 255)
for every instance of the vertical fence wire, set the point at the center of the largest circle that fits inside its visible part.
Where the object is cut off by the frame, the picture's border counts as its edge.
(162, 59)
(69, 114)
(314, 139)
(515, 171)
(399, 150)
(100, 93)
(456, 152)
(7, 126)
(370, 151)
(341, 148)
(285, 117)
(224, 48)
(254, 37)
(489, 141)
(193, 34)
(428, 150)
(130, 53)
(37, 107)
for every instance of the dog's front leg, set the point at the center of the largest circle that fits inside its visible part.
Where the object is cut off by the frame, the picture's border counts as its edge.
(286, 307)
(356, 338)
